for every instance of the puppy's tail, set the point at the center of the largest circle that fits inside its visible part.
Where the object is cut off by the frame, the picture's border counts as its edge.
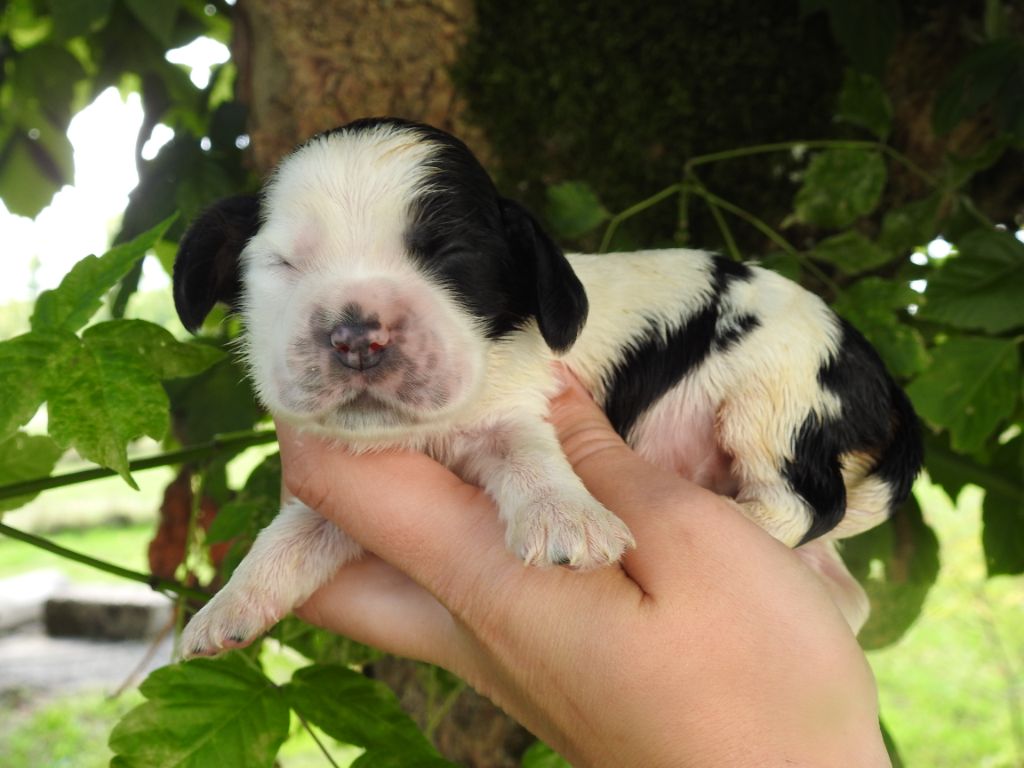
(877, 486)
(902, 458)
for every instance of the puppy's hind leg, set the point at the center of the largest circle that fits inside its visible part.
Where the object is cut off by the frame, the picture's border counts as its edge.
(790, 479)
(291, 558)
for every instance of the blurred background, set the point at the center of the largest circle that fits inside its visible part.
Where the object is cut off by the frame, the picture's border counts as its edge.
(872, 150)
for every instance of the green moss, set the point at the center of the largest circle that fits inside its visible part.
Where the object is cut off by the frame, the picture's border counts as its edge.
(621, 94)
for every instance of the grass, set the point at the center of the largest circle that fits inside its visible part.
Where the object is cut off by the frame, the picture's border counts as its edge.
(951, 690)
(65, 732)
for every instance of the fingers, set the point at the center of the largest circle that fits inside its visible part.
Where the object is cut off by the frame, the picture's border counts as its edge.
(373, 603)
(404, 507)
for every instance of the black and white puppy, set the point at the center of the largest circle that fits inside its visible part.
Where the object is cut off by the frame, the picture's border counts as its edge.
(390, 297)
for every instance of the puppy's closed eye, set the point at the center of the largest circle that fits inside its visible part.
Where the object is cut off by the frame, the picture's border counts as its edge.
(283, 263)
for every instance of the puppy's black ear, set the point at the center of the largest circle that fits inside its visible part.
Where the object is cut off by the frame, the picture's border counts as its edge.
(560, 301)
(206, 270)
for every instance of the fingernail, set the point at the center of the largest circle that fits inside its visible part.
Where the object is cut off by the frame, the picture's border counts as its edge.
(563, 377)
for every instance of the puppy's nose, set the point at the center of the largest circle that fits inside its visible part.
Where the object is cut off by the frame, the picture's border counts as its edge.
(360, 345)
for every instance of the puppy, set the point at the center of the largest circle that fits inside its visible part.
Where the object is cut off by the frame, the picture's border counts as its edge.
(390, 297)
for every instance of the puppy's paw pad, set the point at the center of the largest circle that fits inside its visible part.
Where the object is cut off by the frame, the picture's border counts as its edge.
(230, 620)
(565, 531)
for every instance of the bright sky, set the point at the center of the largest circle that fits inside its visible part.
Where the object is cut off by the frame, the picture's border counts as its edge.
(82, 218)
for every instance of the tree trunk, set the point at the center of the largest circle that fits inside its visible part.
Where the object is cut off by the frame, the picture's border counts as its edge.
(305, 66)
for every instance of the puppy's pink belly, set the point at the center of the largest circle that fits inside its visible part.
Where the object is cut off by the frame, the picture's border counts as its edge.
(684, 441)
(712, 471)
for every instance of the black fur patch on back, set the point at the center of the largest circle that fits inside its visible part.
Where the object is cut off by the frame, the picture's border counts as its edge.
(651, 367)
(876, 419)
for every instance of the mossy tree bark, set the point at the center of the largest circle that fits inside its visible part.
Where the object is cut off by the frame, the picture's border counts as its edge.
(306, 66)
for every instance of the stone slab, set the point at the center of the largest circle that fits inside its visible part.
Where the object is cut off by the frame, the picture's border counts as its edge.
(106, 612)
(22, 597)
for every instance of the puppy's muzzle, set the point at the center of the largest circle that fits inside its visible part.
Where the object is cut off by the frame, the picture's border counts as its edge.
(360, 344)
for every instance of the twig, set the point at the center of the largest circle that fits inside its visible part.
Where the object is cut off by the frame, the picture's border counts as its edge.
(229, 443)
(633, 210)
(714, 200)
(316, 739)
(155, 582)
(784, 146)
(165, 630)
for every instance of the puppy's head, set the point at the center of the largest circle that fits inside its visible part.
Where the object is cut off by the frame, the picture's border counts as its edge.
(371, 274)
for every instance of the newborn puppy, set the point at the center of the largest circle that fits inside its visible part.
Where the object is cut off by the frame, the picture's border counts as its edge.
(391, 297)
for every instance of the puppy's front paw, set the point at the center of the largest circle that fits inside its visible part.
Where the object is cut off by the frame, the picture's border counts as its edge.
(560, 530)
(232, 619)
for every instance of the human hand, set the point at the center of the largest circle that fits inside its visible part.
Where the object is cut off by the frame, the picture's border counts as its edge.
(710, 644)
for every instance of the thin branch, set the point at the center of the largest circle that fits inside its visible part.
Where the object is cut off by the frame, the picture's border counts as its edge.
(438, 714)
(229, 443)
(784, 146)
(155, 582)
(311, 732)
(633, 210)
(768, 232)
(716, 213)
(147, 657)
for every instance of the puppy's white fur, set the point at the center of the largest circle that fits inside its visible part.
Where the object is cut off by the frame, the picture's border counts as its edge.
(336, 215)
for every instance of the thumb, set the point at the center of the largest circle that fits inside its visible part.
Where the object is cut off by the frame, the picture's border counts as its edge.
(648, 498)
(588, 439)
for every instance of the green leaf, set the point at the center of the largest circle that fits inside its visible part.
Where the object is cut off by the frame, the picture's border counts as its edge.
(152, 346)
(789, 265)
(971, 387)
(866, 30)
(24, 366)
(79, 17)
(218, 400)
(25, 457)
(573, 209)
(875, 306)
(109, 392)
(37, 161)
(70, 305)
(890, 746)
(207, 712)
(233, 519)
(988, 75)
(957, 170)
(321, 646)
(1003, 512)
(852, 252)
(910, 226)
(862, 101)
(897, 564)
(540, 755)
(840, 186)
(982, 286)
(46, 74)
(354, 709)
(157, 17)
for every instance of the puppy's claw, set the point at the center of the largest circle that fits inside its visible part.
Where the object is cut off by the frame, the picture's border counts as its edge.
(232, 619)
(579, 533)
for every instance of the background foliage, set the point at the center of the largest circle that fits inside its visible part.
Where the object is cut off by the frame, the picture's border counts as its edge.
(621, 140)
